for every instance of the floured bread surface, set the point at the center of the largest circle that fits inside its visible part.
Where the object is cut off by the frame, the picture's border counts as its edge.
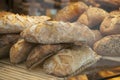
(14, 23)
(52, 32)
(108, 46)
(68, 61)
(92, 17)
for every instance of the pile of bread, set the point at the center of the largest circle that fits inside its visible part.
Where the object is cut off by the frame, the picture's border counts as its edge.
(65, 45)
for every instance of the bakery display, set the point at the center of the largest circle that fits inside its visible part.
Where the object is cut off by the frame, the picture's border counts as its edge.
(81, 36)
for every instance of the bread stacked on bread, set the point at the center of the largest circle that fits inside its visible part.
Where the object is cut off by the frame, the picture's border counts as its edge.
(62, 47)
(10, 27)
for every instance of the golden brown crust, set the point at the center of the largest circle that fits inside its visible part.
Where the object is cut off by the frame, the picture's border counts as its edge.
(92, 17)
(71, 12)
(20, 50)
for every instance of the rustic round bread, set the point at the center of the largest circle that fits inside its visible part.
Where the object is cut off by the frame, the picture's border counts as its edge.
(111, 24)
(92, 17)
(108, 46)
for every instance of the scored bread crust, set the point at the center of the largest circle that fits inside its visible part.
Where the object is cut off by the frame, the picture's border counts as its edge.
(111, 24)
(41, 52)
(15, 23)
(52, 32)
(68, 61)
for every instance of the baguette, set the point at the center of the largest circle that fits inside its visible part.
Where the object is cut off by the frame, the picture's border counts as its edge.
(52, 32)
(6, 41)
(108, 46)
(70, 61)
(92, 17)
(111, 25)
(71, 12)
(14, 23)
(41, 52)
(20, 50)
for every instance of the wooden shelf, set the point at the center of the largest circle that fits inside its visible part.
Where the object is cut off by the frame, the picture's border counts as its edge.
(9, 71)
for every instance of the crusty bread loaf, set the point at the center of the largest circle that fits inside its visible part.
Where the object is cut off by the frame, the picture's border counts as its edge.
(70, 61)
(20, 50)
(52, 32)
(14, 23)
(92, 17)
(71, 12)
(108, 46)
(42, 52)
(6, 41)
(111, 25)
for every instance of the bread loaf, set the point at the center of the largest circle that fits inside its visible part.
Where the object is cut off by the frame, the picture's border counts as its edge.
(52, 32)
(92, 17)
(70, 61)
(111, 25)
(71, 12)
(42, 52)
(6, 41)
(20, 50)
(108, 46)
(14, 23)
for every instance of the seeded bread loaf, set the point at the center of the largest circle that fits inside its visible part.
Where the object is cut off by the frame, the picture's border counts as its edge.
(108, 46)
